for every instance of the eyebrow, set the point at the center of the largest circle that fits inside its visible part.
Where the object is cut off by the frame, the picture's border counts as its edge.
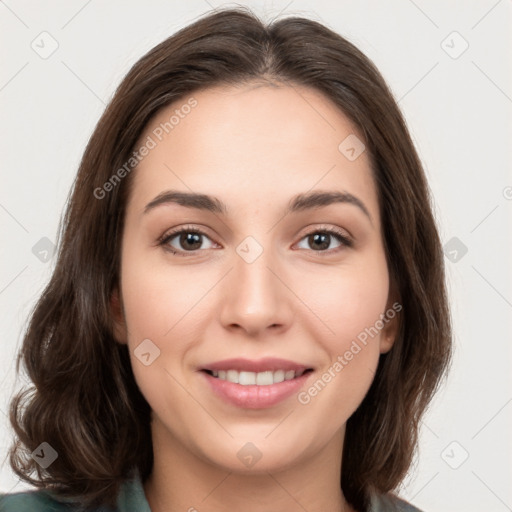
(298, 203)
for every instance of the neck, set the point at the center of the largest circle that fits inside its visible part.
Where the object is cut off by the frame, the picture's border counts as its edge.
(188, 481)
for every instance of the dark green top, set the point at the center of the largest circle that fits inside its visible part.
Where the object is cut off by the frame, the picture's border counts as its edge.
(131, 498)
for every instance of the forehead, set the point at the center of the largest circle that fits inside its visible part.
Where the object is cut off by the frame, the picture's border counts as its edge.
(254, 141)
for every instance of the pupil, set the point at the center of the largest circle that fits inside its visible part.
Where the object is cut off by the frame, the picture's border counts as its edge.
(317, 238)
(191, 238)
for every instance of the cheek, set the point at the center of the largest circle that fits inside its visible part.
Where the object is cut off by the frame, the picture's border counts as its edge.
(159, 307)
(348, 302)
(350, 341)
(159, 300)
(165, 305)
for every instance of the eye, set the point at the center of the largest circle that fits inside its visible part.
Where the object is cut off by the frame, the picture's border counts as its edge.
(189, 238)
(321, 239)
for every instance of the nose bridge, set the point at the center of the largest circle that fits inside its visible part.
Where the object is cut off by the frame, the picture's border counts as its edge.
(255, 297)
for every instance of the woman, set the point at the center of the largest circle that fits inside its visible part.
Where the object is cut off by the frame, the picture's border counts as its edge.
(248, 308)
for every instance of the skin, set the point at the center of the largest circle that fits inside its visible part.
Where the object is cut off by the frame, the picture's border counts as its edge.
(253, 147)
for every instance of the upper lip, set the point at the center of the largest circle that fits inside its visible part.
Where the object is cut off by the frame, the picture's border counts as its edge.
(260, 365)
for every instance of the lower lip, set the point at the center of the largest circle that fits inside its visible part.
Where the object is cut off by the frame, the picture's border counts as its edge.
(252, 396)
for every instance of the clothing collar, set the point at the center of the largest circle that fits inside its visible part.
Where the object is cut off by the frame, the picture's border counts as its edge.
(131, 496)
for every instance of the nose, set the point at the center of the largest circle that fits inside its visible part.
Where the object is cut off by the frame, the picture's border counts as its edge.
(256, 298)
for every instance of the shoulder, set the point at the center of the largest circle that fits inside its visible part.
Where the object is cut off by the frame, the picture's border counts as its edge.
(33, 501)
(131, 497)
(41, 501)
(391, 503)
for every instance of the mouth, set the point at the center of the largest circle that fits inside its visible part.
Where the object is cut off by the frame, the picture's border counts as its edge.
(255, 390)
(264, 378)
(255, 384)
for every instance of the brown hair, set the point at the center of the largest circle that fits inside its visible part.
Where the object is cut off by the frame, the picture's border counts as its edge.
(85, 402)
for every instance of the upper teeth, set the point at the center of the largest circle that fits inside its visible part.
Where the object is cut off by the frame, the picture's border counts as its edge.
(260, 379)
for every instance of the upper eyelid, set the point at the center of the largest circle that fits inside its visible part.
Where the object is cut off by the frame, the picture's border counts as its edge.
(322, 228)
(186, 229)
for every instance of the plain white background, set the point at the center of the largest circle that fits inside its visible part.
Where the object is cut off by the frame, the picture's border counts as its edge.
(449, 66)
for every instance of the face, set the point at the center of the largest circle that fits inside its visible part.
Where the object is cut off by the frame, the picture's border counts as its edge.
(270, 282)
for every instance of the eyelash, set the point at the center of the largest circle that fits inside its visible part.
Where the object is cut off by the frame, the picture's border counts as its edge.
(166, 237)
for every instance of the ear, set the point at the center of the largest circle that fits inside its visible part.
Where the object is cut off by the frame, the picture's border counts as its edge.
(391, 320)
(118, 319)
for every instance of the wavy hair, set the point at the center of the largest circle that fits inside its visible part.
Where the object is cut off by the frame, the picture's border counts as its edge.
(83, 399)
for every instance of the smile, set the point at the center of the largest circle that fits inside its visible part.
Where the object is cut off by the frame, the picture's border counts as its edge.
(264, 378)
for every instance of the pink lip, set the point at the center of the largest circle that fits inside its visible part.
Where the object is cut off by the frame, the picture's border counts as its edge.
(261, 365)
(252, 396)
